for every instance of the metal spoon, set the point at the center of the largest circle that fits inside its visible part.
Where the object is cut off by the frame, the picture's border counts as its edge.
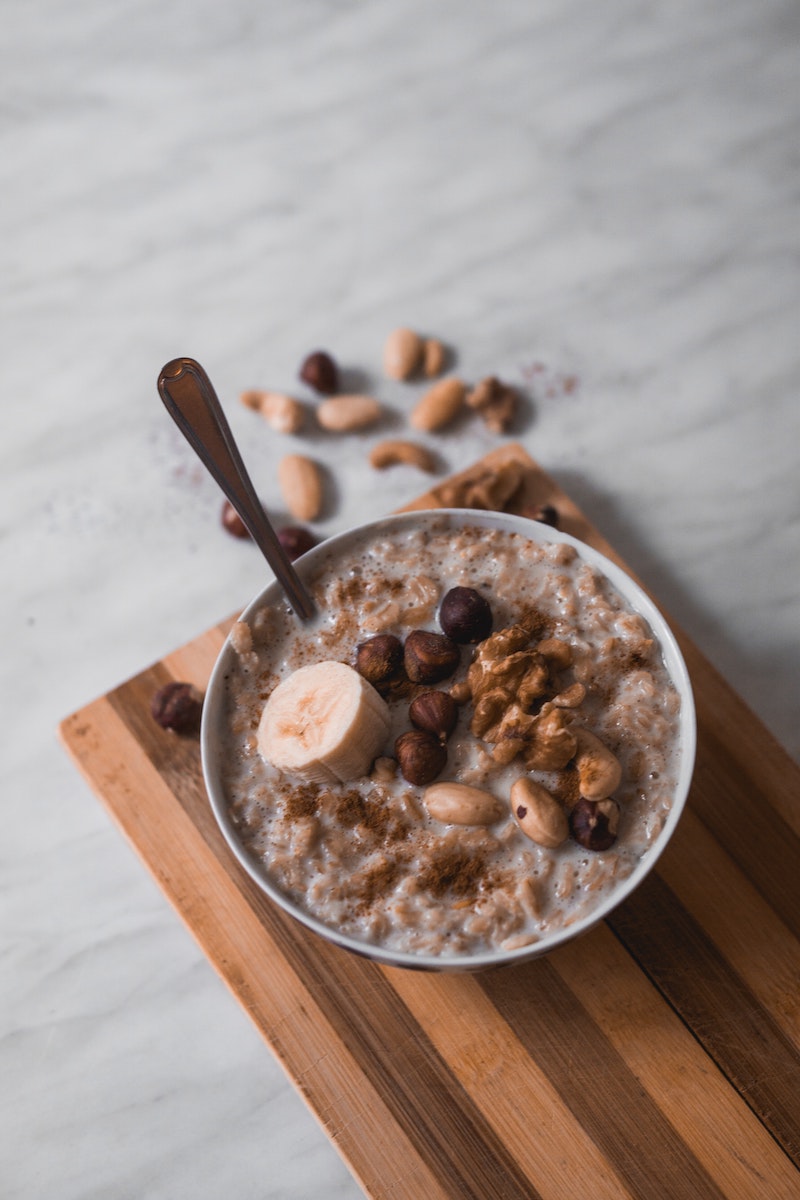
(192, 403)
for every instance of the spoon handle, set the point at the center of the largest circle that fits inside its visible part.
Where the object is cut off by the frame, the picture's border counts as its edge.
(192, 403)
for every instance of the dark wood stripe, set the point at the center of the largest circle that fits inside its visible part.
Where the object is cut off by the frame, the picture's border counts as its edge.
(391, 1048)
(730, 800)
(597, 1085)
(726, 1018)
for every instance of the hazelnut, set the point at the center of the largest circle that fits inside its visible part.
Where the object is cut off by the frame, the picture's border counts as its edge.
(295, 540)
(593, 823)
(233, 522)
(320, 372)
(435, 712)
(465, 615)
(177, 706)
(380, 658)
(420, 756)
(429, 657)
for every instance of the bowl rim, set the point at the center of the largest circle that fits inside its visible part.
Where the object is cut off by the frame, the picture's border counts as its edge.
(535, 531)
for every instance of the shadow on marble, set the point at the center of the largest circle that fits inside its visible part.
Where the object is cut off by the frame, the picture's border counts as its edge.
(768, 683)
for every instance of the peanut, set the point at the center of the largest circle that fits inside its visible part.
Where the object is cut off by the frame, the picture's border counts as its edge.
(342, 414)
(396, 450)
(402, 353)
(460, 804)
(300, 481)
(539, 815)
(440, 405)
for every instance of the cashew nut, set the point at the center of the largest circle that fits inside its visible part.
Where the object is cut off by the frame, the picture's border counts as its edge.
(599, 771)
(395, 450)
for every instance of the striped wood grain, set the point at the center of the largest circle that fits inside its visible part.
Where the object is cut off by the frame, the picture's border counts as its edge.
(658, 1055)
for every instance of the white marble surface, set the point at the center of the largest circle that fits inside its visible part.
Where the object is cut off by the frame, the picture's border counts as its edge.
(609, 191)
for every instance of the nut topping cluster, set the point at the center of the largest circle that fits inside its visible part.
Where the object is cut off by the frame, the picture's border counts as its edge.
(519, 705)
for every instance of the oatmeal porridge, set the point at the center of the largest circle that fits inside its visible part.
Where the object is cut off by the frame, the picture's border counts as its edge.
(470, 747)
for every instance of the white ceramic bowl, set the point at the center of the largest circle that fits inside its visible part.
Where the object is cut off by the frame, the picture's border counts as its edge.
(213, 754)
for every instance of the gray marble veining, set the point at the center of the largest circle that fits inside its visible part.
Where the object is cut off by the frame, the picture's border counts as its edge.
(605, 194)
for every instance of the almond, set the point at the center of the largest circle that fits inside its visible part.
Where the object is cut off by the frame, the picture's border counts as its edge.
(440, 405)
(341, 414)
(300, 481)
(402, 353)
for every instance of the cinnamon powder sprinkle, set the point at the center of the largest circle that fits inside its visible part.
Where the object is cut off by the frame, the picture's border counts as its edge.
(456, 871)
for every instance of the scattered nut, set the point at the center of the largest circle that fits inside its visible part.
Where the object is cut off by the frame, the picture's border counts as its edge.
(177, 706)
(233, 522)
(379, 658)
(429, 657)
(465, 615)
(435, 712)
(433, 358)
(251, 398)
(296, 540)
(320, 372)
(420, 756)
(593, 823)
(496, 402)
(461, 804)
(539, 815)
(492, 489)
(599, 770)
(394, 451)
(402, 353)
(300, 482)
(283, 413)
(440, 405)
(342, 414)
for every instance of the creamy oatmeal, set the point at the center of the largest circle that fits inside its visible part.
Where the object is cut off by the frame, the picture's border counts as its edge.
(557, 722)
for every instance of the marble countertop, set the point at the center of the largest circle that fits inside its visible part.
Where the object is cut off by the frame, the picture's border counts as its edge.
(599, 203)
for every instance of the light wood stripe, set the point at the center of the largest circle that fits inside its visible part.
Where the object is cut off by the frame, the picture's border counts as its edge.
(738, 920)
(361, 1007)
(595, 1083)
(739, 1035)
(514, 1094)
(657, 1056)
(712, 1119)
(351, 1107)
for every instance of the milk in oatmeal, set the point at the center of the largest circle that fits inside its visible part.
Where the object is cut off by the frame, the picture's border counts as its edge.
(365, 857)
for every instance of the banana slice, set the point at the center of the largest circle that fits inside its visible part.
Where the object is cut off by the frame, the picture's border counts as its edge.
(324, 723)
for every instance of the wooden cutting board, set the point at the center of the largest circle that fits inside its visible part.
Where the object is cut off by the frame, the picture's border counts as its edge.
(657, 1056)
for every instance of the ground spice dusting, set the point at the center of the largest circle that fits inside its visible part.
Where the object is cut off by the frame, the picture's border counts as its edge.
(301, 801)
(538, 624)
(371, 814)
(456, 871)
(374, 883)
